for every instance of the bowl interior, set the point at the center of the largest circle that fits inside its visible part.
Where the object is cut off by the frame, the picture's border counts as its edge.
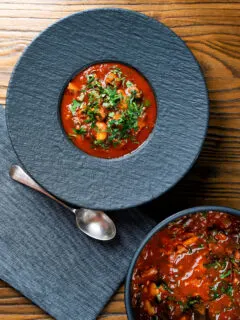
(157, 228)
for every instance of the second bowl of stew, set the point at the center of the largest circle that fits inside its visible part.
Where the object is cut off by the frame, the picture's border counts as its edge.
(188, 267)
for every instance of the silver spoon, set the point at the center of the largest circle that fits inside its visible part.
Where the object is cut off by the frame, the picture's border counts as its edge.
(96, 224)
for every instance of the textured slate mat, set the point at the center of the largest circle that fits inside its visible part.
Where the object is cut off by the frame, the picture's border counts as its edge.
(44, 256)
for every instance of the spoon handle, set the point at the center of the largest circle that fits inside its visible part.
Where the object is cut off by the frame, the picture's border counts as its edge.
(19, 175)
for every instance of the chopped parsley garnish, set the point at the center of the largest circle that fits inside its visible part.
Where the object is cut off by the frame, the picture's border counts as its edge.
(81, 131)
(129, 84)
(111, 114)
(225, 274)
(193, 300)
(162, 283)
(216, 264)
(221, 288)
(90, 78)
(190, 303)
(228, 290)
(215, 295)
(100, 143)
(117, 71)
(111, 97)
(74, 105)
(109, 102)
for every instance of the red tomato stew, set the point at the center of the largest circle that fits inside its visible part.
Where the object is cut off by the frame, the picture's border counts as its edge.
(190, 270)
(108, 110)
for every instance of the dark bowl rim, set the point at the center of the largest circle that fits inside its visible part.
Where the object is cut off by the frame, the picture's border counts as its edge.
(159, 226)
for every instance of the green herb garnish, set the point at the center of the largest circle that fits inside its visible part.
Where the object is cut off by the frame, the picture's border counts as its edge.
(191, 302)
(129, 84)
(100, 143)
(80, 131)
(228, 290)
(225, 274)
(74, 105)
(90, 78)
(112, 97)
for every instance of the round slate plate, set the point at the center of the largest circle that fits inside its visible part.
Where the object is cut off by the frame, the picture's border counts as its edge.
(48, 64)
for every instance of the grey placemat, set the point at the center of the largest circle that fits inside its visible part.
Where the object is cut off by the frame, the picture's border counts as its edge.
(44, 256)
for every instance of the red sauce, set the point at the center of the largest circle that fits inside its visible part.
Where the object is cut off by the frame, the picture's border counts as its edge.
(108, 110)
(190, 270)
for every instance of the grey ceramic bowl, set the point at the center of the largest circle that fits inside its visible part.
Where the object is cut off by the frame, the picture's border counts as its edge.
(158, 227)
(35, 92)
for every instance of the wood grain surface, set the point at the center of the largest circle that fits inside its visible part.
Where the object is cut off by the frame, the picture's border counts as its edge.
(211, 30)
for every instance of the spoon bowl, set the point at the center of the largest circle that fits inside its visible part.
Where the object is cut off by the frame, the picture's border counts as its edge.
(96, 224)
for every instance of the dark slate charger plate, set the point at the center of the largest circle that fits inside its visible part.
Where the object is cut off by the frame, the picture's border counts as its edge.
(60, 52)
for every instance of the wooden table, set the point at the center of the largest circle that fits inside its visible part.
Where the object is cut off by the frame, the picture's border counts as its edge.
(211, 30)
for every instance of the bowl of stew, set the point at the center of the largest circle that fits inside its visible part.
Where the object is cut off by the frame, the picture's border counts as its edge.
(107, 109)
(188, 267)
